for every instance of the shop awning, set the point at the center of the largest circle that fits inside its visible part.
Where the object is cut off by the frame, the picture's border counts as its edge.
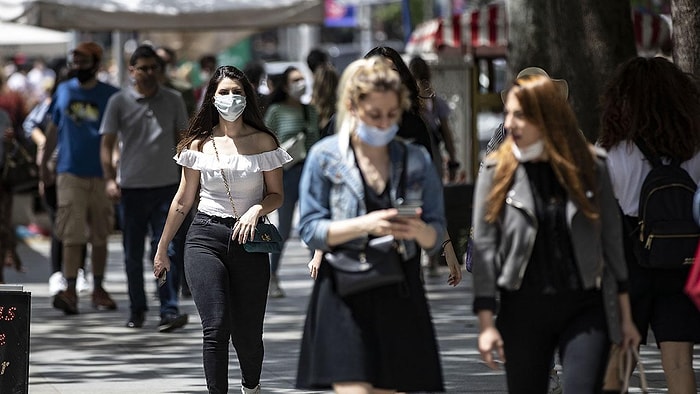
(484, 29)
(152, 15)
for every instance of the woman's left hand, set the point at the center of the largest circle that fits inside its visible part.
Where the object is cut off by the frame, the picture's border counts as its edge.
(452, 262)
(630, 334)
(244, 229)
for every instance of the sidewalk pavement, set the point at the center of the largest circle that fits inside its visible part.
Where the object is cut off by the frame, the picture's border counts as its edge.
(95, 353)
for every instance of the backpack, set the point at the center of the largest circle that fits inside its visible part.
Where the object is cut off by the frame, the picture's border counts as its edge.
(668, 235)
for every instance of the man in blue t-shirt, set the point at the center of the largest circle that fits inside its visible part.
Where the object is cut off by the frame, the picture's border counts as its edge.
(85, 213)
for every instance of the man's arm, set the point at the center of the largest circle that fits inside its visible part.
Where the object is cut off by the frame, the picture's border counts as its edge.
(44, 155)
(108, 169)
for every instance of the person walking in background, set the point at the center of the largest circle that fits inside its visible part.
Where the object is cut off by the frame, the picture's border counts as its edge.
(147, 120)
(85, 213)
(290, 119)
(414, 129)
(381, 338)
(435, 113)
(654, 103)
(316, 58)
(172, 77)
(255, 72)
(235, 159)
(34, 126)
(324, 96)
(547, 235)
(13, 106)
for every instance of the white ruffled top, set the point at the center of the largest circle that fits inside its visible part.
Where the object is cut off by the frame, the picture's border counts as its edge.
(243, 172)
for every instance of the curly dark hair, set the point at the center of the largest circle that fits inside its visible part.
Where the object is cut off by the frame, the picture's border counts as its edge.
(653, 100)
(202, 125)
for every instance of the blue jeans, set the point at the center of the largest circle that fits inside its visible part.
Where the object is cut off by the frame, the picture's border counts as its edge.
(229, 288)
(143, 212)
(285, 213)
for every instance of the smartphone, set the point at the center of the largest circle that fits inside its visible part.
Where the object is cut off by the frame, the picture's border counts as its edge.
(408, 209)
(161, 278)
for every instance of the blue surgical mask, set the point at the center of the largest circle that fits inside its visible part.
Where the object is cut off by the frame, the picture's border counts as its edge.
(230, 106)
(375, 136)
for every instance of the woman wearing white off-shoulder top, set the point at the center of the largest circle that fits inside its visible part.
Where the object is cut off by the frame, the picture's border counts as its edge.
(228, 284)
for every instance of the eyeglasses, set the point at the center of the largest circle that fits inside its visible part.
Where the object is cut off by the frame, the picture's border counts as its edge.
(146, 69)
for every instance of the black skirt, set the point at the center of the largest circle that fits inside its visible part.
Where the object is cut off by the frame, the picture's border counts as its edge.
(384, 336)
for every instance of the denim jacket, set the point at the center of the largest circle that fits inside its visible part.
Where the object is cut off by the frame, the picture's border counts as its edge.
(331, 188)
(503, 248)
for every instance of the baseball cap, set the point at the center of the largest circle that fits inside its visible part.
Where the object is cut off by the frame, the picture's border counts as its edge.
(561, 84)
(89, 49)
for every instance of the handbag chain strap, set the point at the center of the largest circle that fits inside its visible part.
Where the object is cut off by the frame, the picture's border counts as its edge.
(223, 175)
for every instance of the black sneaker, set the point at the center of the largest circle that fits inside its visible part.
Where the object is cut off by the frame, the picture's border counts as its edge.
(172, 321)
(136, 320)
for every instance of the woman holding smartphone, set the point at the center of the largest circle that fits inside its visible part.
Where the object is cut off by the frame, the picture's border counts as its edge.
(381, 339)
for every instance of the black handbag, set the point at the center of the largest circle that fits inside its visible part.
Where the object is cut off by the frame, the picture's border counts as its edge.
(265, 240)
(355, 271)
(19, 172)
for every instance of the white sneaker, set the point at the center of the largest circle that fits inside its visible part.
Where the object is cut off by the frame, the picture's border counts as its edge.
(81, 283)
(256, 390)
(57, 283)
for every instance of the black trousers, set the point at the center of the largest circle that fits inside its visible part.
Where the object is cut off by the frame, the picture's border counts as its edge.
(534, 325)
(229, 288)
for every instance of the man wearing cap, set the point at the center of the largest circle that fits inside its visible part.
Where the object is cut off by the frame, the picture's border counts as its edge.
(147, 119)
(500, 134)
(85, 213)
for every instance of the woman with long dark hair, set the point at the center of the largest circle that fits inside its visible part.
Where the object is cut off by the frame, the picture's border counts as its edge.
(235, 161)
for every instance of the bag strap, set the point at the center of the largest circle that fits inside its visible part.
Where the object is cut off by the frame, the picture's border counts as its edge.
(632, 359)
(654, 160)
(223, 175)
(401, 187)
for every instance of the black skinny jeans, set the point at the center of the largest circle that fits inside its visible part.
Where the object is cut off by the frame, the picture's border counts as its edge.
(229, 288)
(533, 326)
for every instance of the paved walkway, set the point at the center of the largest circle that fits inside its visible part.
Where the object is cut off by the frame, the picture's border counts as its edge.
(94, 353)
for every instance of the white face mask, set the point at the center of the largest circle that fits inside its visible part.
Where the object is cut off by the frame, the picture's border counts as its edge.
(529, 153)
(297, 89)
(230, 106)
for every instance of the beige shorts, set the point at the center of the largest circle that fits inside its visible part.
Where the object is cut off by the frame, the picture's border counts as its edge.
(84, 213)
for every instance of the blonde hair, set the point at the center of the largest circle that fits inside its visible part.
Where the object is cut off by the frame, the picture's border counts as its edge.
(359, 79)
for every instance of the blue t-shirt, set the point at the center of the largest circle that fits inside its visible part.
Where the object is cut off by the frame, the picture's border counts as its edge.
(77, 113)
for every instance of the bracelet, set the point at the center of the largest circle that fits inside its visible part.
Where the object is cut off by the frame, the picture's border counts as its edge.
(445, 243)
(452, 164)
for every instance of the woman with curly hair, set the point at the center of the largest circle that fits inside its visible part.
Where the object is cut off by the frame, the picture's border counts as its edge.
(547, 237)
(654, 101)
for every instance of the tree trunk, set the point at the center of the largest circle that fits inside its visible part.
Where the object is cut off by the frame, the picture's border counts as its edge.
(580, 41)
(686, 35)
